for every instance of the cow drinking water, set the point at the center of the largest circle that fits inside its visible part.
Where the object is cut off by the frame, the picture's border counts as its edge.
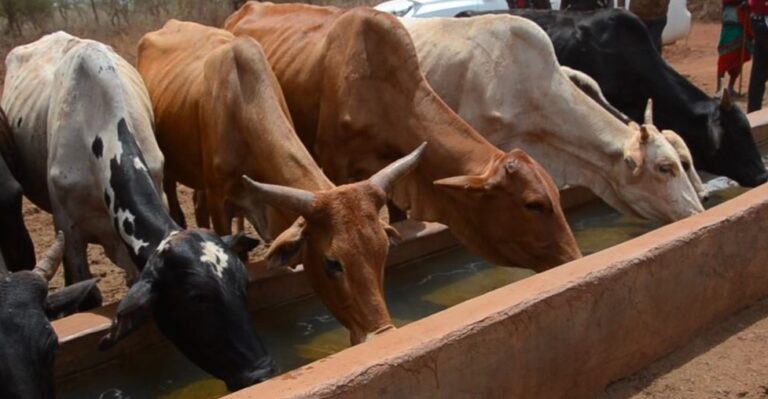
(614, 48)
(220, 115)
(514, 93)
(27, 341)
(88, 112)
(359, 100)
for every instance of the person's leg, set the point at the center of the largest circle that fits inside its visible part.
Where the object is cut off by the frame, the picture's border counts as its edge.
(732, 76)
(759, 72)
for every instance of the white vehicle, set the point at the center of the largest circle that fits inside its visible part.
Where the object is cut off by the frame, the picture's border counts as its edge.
(678, 16)
(438, 8)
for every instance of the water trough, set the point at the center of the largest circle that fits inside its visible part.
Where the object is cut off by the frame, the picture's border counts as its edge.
(554, 334)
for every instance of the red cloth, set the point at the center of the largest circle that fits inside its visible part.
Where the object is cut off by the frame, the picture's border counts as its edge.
(759, 7)
(733, 55)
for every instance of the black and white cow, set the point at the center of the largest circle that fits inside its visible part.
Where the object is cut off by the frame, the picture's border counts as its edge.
(16, 249)
(614, 48)
(98, 130)
(27, 340)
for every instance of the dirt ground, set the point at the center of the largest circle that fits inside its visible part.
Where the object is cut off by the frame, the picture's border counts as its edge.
(727, 361)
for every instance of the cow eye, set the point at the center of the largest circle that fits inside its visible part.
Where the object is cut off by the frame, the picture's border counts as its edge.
(535, 206)
(666, 169)
(686, 166)
(332, 267)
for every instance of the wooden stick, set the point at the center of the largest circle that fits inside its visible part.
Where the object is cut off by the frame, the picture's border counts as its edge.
(741, 53)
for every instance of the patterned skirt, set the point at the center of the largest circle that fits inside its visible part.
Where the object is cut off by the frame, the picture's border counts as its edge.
(733, 49)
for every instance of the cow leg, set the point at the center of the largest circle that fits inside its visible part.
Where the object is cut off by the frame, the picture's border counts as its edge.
(16, 246)
(221, 215)
(240, 226)
(200, 199)
(118, 254)
(75, 256)
(169, 186)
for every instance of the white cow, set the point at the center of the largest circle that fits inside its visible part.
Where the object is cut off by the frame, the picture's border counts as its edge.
(53, 107)
(592, 89)
(500, 74)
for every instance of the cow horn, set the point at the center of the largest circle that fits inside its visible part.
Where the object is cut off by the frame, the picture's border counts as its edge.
(386, 177)
(644, 134)
(649, 112)
(47, 266)
(726, 103)
(288, 198)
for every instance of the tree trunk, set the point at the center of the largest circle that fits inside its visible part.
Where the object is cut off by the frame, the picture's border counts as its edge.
(95, 12)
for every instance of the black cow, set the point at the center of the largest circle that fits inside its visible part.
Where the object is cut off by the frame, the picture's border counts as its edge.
(191, 280)
(27, 340)
(614, 48)
(16, 250)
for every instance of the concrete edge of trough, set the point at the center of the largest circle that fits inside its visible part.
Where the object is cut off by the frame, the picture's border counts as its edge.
(567, 332)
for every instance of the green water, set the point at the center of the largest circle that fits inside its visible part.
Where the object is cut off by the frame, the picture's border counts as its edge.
(302, 332)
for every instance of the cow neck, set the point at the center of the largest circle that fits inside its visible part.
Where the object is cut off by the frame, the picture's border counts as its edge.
(134, 204)
(453, 149)
(282, 148)
(593, 159)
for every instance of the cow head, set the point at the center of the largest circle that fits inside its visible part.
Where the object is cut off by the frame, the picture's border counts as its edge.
(734, 153)
(654, 183)
(525, 199)
(28, 341)
(196, 288)
(342, 242)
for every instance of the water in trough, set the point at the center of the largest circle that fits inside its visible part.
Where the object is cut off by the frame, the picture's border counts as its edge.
(304, 331)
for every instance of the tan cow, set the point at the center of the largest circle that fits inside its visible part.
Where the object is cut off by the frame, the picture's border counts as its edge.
(359, 100)
(500, 73)
(220, 115)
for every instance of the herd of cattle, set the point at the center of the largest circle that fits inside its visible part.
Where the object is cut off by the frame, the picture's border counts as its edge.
(305, 120)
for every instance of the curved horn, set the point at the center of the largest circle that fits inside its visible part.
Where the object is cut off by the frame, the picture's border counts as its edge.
(386, 177)
(288, 198)
(649, 113)
(47, 266)
(726, 103)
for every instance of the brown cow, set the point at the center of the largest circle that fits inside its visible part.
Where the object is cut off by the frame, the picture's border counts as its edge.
(359, 99)
(220, 115)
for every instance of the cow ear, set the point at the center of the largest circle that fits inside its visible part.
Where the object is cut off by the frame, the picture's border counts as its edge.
(74, 298)
(241, 244)
(392, 234)
(285, 251)
(634, 151)
(133, 310)
(466, 183)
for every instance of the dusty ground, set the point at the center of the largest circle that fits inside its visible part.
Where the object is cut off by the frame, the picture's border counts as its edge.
(727, 361)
